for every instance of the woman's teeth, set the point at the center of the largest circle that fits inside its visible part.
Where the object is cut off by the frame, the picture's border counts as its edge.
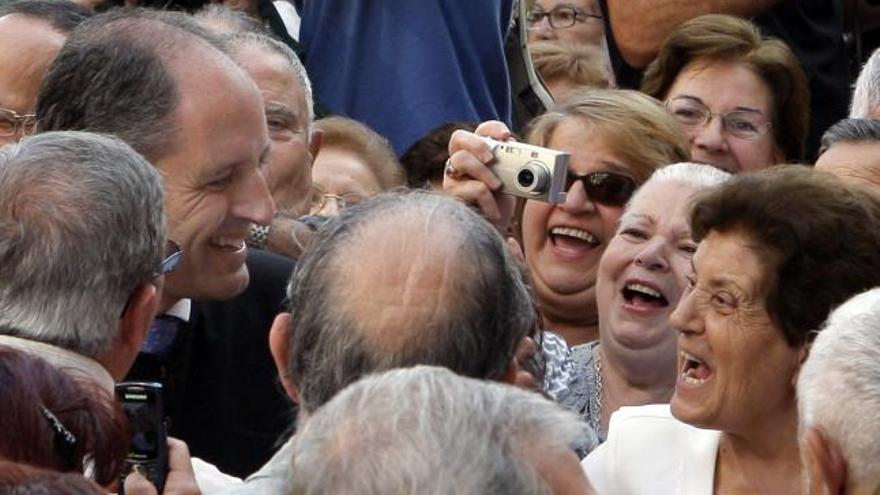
(693, 370)
(579, 234)
(228, 243)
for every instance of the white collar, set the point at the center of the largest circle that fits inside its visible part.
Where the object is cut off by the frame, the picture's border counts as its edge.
(181, 309)
(63, 359)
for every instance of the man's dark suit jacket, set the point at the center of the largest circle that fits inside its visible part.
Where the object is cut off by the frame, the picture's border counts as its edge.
(223, 395)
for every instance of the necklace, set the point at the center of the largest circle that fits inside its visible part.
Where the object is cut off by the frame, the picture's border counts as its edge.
(596, 410)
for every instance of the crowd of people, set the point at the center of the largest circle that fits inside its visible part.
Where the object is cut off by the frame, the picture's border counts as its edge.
(287, 220)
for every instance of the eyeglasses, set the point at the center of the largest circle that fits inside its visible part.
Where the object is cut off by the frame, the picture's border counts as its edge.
(743, 124)
(11, 122)
(319, 199)
(606, 188)
(561, 17)
(172, 258)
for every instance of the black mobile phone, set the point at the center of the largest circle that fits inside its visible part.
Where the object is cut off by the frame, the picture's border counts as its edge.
(142, 403)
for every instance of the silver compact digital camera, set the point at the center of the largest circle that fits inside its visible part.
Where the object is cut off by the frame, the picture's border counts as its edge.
(530, 171)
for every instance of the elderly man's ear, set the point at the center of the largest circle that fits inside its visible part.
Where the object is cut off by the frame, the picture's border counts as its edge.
(825, 465)
(279, 345)
(518, 373)
(133, 327)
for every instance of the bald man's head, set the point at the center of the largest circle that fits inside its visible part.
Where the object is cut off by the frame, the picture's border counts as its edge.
(401, 280)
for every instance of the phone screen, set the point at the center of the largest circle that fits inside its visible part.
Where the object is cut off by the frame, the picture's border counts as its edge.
(140, 407)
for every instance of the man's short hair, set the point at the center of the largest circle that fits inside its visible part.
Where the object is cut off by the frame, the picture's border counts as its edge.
(866, 95)
(112, 76)
(851, 131)
(81, 226)
(62, 15)
(473, 325)
(839, 385)
(272, 45)
(427, 430)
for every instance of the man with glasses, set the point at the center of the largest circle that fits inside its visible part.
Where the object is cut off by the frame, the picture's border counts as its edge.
(31, 34)
(84, 257)
(576, 21)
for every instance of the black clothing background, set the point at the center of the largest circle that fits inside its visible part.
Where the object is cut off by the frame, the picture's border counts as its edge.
(223, 395)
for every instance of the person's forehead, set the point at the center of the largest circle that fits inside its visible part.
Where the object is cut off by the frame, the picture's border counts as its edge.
(854, 161)
(722, 86)
(549, 4)
(27, 48)
(219, 118)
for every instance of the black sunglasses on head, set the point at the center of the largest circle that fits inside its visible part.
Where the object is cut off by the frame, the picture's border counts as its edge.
(606, 188)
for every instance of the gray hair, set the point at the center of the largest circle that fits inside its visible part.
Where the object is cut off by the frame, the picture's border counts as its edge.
(220, 19)
(81, 226)
(480, 318)
(269, 44)
(866, 95)
(844, 369)
(851, 131)
(118, 63)
(427, 430)
(698, 176)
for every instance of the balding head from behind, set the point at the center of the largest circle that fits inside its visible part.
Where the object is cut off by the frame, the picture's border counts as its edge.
(404, 279)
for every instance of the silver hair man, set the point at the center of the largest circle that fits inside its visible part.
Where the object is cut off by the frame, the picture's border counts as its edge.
(427, 430)
(839, 400)
(866, 95)
(81, 238)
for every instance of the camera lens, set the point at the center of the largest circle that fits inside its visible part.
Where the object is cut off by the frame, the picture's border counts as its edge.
(525, 178)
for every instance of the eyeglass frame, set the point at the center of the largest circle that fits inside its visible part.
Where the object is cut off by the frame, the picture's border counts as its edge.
(24, 123)
(169, 264)
(341, 201)
(709, 115)
(579, 14)
(589, 181)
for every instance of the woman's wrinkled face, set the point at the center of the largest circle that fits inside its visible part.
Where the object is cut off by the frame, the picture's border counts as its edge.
(563, 243)
(734, 365)
(719, 88)
(644, 271)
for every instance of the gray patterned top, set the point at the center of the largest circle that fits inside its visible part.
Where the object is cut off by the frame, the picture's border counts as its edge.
(581, 394)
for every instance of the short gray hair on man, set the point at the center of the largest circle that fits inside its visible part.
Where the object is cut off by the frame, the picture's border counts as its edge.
(81, 226)
(477, 320)
(850, 131)
(866, 95)
(839, 385)
(267, 43)
(427, 430)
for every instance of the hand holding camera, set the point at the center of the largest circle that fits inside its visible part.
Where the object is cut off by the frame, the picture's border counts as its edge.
(487, 170)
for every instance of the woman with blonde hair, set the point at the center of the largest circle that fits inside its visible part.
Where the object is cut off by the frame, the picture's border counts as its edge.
(616, 140)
